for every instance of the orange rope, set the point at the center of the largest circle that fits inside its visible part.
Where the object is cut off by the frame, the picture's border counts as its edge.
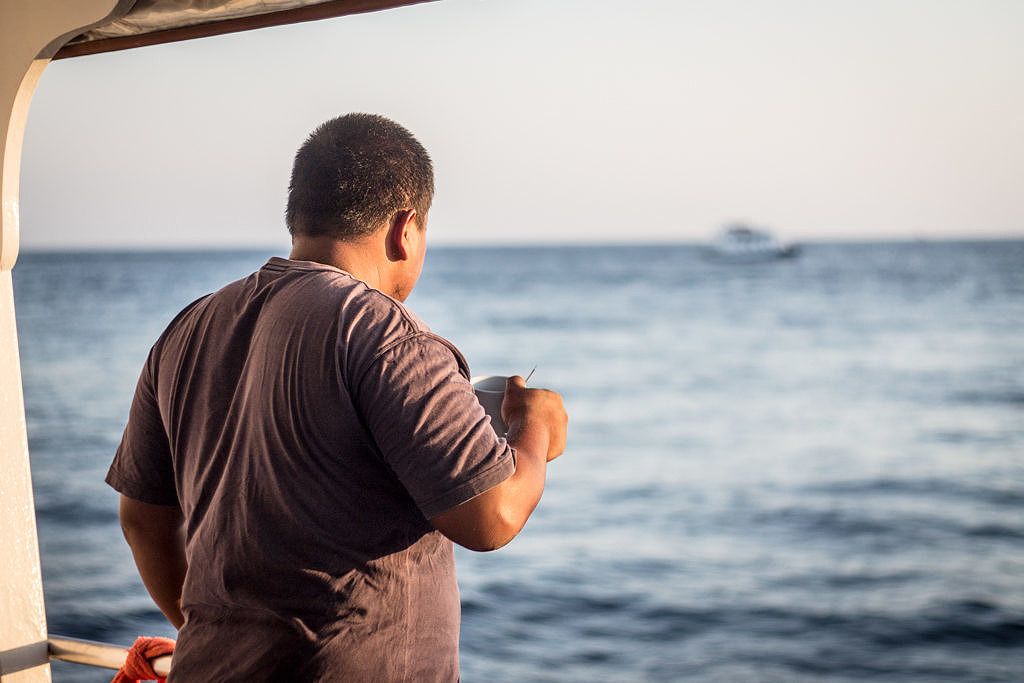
(137, 667)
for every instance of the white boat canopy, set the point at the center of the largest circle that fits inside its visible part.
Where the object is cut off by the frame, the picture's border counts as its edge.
(150, 22)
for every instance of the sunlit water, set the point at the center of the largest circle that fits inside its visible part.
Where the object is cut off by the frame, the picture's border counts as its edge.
(794, 471)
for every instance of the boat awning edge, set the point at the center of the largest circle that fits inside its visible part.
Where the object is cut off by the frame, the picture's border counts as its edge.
(153, 22)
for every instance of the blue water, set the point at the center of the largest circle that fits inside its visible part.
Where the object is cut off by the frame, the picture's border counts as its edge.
(796, 471)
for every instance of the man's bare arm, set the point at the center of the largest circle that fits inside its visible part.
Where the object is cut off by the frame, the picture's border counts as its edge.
(537, 428)
(156, 535)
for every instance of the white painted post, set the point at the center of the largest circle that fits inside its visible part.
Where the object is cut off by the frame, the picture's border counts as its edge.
(31, 31)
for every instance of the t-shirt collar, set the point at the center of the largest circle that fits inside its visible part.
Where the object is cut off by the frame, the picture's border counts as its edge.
(280, 263)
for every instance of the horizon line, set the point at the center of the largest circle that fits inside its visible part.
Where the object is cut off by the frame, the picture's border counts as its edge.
(220, 248)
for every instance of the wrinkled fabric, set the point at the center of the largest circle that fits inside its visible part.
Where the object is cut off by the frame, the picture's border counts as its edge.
(309, 426)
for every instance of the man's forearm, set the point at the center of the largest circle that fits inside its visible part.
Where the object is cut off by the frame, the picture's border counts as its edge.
(522, 491)
(493, 518)
(162, 566)
(157, 539)
(536, 430)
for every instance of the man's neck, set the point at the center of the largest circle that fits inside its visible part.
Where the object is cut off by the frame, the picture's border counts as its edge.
(358, 258)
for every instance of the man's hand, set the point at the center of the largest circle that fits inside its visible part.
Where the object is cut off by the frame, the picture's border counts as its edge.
(536, 423)
(538, 407)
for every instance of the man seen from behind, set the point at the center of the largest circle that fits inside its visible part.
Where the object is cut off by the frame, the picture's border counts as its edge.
(301, 450)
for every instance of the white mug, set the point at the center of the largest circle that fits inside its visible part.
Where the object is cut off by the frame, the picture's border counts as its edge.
(490, 391)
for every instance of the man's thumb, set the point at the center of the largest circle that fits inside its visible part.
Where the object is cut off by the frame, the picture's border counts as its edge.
(515, 381)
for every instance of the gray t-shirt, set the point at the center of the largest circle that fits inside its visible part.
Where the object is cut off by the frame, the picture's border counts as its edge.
(309, 426)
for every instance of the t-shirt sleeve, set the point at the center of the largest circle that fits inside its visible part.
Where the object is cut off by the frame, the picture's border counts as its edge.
(142, 467)
(421, 411)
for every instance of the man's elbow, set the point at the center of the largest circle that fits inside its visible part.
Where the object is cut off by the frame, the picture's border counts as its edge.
(497, 534)
(481, 526)
(131, 523)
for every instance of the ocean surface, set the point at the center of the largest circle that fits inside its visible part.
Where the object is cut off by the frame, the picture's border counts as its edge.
(806, 470)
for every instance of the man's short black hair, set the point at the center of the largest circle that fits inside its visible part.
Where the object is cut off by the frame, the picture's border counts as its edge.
(354, 173)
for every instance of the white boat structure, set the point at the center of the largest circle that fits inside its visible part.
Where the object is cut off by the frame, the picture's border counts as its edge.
(32, 33)
(742, 243)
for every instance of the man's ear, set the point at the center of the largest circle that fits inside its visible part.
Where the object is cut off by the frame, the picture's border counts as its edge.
(398, 240)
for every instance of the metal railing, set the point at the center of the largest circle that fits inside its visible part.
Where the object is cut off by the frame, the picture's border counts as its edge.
(103, 655)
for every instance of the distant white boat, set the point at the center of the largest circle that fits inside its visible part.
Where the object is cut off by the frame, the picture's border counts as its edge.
(742, 243)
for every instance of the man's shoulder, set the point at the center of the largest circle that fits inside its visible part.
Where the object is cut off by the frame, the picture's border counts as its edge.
(209, 306)
(185, 313)
(374, 306)
(378, 325)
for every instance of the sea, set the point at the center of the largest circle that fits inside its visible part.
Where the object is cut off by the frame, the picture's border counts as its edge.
(802, 470)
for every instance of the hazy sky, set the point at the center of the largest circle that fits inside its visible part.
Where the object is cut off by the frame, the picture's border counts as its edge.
(558, 121)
